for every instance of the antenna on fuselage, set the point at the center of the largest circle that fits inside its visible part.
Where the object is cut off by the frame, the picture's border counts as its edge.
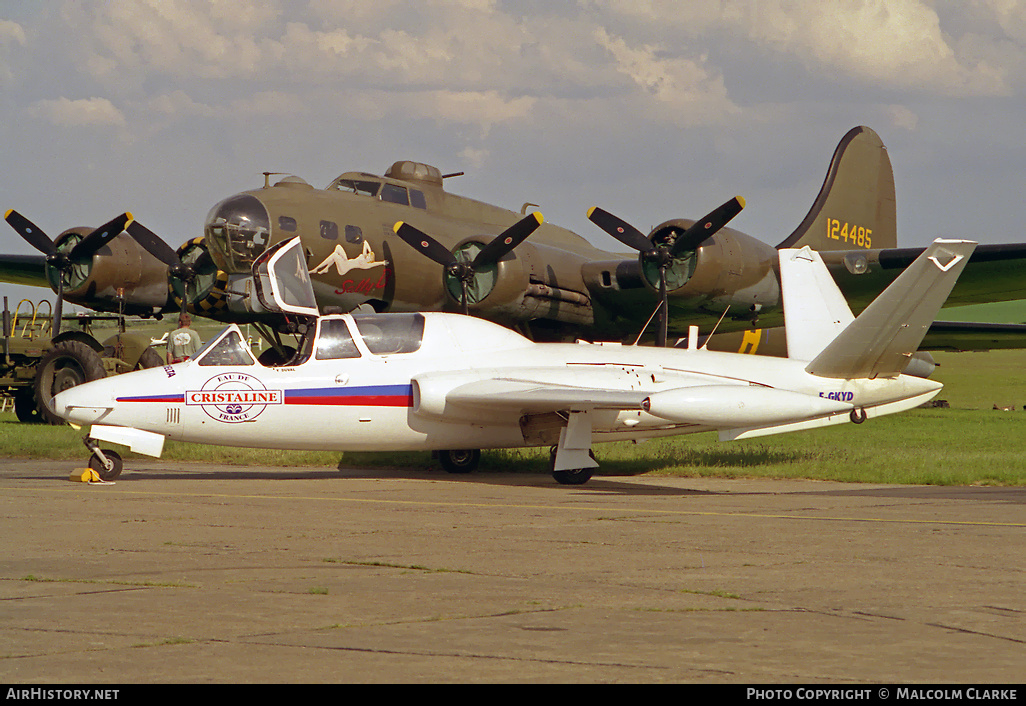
(267, 178)
(709, 337)
(643, 328)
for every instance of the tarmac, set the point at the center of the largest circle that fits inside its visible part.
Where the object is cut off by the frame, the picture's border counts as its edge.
(192, 573)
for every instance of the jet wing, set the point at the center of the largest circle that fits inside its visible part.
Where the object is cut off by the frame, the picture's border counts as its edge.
(532, 397)
(23, 269)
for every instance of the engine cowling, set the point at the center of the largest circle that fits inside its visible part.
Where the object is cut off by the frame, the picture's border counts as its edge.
(730, 269)
(206, 294)
(119, 277)
(524, 285)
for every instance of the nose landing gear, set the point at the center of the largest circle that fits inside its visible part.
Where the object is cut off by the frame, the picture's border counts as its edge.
(106, 462)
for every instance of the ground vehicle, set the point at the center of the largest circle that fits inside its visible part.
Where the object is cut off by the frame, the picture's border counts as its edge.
(35, 367)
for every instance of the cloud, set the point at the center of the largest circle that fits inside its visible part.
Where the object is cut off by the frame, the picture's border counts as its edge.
(125, 39)
(902, 117)
(177, 104)
(85, 112)
(690, 92)
(12, 39)
(894, 43)
(889, 44)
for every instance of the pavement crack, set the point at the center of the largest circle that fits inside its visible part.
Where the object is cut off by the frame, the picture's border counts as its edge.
(461, 655)
(977, 632)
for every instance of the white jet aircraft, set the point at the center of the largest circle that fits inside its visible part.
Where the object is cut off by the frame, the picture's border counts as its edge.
(455, 384)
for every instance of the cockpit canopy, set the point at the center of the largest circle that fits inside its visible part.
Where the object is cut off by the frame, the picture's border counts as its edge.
(331, 339)
(381, 334)
(415, 171)
(226, 348)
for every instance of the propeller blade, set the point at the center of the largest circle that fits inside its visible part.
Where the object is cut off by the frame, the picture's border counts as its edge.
(153, 244)
(88, 246)
(620, 229)
(204, 261)
(705, 228)
(425, 244)
(30, 232)
(507, 240)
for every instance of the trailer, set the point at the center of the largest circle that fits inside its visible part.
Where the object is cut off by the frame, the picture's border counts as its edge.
(35, 366)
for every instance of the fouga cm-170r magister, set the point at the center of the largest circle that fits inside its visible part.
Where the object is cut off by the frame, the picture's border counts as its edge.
(456, 384)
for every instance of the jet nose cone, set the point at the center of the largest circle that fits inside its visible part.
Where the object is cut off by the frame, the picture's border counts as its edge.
(82, 405)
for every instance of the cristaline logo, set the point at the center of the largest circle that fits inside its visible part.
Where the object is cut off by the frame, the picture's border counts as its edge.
(233, 397)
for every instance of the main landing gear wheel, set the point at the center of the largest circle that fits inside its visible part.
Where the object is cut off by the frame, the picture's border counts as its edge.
(459, 460)
(570, 476)
(108, 469)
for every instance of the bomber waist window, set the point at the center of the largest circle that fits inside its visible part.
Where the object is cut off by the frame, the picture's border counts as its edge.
(386, 334)
(334, 341)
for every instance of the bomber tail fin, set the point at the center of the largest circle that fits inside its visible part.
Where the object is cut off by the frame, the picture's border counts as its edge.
(879, 343)
(855, 207)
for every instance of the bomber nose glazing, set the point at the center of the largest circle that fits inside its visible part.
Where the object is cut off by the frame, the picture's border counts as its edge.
(236, 232)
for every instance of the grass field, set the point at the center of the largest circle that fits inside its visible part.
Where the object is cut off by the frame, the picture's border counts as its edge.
(968, 443)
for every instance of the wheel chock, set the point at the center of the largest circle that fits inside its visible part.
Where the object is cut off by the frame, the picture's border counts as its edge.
(85, 475)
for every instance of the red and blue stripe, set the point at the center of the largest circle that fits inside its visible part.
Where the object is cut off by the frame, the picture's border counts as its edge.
(368, 396)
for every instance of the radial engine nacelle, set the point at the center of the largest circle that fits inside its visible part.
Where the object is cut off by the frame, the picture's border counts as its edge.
(730, 269)
(120, 276)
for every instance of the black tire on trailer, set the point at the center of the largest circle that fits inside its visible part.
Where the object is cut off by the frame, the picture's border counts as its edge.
(69, 363)
(149, 359)
(25, 406)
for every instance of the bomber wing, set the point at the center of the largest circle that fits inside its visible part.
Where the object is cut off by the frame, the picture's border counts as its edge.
(994, 273)
(973, 336)
(24, 269)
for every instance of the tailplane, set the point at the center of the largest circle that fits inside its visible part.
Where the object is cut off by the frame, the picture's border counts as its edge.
(879, 343)
(855, 207)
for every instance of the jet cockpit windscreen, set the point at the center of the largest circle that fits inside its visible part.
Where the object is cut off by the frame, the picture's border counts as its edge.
(226, 348)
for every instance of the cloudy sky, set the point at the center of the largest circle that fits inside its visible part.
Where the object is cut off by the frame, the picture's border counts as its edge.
(652, 109)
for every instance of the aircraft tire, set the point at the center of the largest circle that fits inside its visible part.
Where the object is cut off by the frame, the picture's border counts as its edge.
(149, 359)
(575, 476)
(459, 460)
(69, 363)
(25, 408)
(110, 470)
(571, 476)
